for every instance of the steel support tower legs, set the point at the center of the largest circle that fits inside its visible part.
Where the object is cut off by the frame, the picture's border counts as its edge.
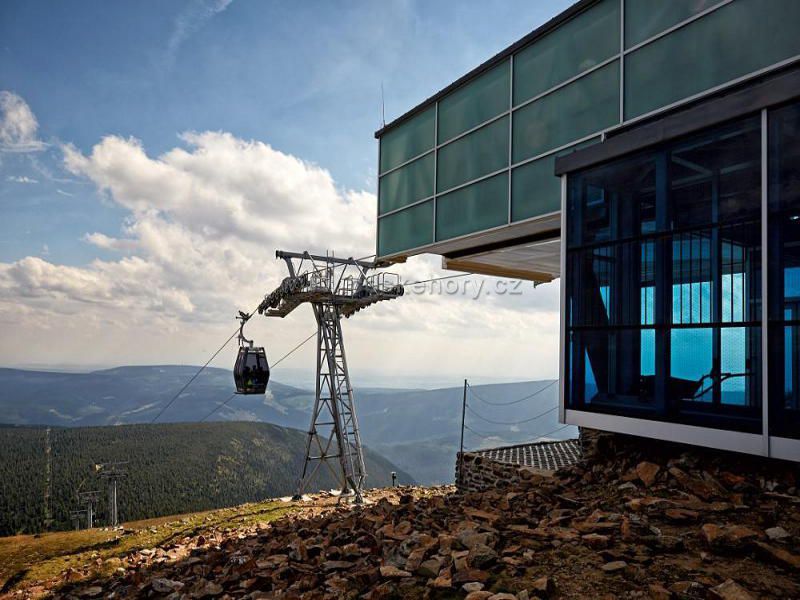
(333, 434)
(113, 516)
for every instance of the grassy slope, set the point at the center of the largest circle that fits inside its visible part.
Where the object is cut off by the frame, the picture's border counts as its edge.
(26, 558)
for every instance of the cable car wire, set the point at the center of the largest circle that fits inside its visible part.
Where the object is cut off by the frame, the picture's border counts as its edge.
(213, 356)
(487, 436)
(437, 279)
(218, 407)
(292, 350)
(536, 393)
(523, 421)
(232, 396)
(200, 370)
(552, 432)
(497, 435)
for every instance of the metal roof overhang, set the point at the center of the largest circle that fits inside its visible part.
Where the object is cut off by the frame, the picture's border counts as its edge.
(523, 250)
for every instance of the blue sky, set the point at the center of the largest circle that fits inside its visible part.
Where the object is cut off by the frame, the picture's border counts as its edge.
(302, 78)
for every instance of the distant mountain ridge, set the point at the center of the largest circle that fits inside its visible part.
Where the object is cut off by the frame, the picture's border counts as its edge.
(136, 394)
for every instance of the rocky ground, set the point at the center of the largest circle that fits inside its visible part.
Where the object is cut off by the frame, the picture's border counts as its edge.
(632, 521)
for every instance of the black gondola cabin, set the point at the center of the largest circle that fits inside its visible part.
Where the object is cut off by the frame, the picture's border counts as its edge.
(251, 371)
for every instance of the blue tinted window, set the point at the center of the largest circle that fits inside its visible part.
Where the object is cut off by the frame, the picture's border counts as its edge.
(784, 276)
(663, 282)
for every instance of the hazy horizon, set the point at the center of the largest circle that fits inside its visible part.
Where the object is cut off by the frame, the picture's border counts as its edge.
(303, 378)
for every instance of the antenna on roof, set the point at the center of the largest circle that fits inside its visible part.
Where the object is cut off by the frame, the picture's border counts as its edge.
(383, 108)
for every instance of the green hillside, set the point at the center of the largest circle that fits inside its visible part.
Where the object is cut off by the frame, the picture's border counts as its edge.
(173, 468)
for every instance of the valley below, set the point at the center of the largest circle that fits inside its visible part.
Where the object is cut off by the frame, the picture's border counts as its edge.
(58, 426)
(418, 430)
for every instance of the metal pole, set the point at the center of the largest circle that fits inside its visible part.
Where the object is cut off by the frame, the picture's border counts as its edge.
(114, 521)
(461, 452)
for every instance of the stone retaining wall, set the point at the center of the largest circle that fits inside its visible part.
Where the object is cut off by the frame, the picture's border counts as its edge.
(482, 473)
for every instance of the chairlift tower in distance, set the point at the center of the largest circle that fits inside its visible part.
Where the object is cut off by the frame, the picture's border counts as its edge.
(76, 516)
(90, 499)
(335, 288)
(112, 472)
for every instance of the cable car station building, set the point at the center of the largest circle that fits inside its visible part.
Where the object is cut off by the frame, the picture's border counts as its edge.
(647, 153)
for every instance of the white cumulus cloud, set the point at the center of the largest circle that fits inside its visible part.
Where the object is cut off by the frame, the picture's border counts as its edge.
(203, 222)
(18, 125)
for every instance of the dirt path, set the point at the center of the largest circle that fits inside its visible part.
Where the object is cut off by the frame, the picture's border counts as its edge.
(48, 472)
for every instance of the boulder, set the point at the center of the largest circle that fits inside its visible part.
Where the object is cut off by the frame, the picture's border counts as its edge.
(481, 556)
(647, 472)
(615, 566)
(391, 572)
(778, 556)
(730, 590)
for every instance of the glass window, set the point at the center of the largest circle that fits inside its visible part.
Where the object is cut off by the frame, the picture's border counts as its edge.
(476, 207)
(475, 155)
(737, 39)
(408, 139)
(406, 229)
(646, 18)
(576, 46)
(696, 175)
(406, 185)
(585, 106)
(663, 282)
(535, 190)
(691, 363)
(475, 102)
(784, 275)
(615, 202)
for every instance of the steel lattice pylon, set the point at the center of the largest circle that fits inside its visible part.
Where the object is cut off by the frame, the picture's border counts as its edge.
(333, 294)
(334, 426)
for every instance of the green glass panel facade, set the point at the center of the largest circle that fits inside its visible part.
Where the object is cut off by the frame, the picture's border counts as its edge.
(737, 39)
(476, 207)
(406, 185)
(408, 140)
(479, 153)
(646, 18)
(476, 102)
(578, 45)
(406, 229)
(535, 190)
(585, 106)
(733, 40)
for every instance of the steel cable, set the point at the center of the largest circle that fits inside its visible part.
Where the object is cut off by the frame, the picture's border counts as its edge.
(232, 396)
(522, 422)
(188, 383)
(487, 436)
(200, 370)
(536, 393)
(437, 279)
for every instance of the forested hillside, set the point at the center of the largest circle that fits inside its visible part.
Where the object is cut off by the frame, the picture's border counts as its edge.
(173, 468)
(22, 479)
(419, 430)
